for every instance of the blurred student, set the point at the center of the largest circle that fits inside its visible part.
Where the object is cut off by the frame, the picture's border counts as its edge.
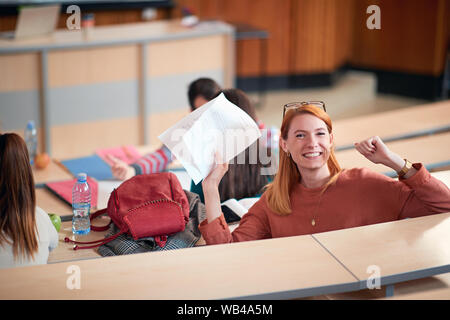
(312, 194)
(200, 91)
(26, 232)
(243, 180)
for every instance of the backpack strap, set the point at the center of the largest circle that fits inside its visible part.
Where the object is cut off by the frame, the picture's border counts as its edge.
(99, 228)
(160, 241)
(98, 243)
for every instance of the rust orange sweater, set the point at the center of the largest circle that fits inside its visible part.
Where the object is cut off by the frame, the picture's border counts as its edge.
(359, 197)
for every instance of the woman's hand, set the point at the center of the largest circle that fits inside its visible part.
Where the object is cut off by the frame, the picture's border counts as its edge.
(376, 151)
(216, 175)
(120, 169)
(210, 187)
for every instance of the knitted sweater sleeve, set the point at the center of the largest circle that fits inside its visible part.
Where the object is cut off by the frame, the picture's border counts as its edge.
(153, 162)
(424, 194)
(254, 225)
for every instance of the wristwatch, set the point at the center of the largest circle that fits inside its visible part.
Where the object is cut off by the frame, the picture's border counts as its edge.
(405, 169)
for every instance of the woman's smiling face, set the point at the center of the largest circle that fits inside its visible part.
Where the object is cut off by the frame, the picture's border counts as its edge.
(308, 142)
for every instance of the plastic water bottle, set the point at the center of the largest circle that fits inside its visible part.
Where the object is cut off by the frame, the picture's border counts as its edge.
(81, 205)
(31, 140)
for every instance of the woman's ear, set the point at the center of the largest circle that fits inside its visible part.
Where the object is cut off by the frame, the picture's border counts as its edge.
(331, 138)
(283, 144)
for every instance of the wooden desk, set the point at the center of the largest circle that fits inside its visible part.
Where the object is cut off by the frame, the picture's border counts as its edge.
(432, 151)
(54, 172)
(64, 251)
(393, 125)
(403, 250)
(51, 203)
(281, 268)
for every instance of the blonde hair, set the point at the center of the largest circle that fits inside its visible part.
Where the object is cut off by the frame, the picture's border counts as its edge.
(288, 175)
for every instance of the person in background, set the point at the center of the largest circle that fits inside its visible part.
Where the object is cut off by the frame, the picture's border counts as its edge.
(242, 180)
(312, 194)
(200, 91)
(26, 233)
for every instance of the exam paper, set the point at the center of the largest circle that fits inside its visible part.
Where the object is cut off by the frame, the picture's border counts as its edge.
(219, 127)
(104, 191)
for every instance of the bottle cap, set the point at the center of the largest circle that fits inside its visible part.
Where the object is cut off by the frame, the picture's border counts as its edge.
(81, 177)
(30, 124)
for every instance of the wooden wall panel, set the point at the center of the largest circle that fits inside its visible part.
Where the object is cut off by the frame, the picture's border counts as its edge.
(314, 36)
(93, 65)
(270, 15)
(20, 72)
(344, 31)
(187, 55)
(82, 139)
(412, 36)
(321, 35)
(246, 65)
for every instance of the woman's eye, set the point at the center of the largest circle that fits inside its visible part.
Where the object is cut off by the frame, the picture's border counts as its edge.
(300, 135)
(321, 133)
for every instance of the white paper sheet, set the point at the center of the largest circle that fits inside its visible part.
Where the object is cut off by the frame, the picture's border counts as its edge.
(105, 188)
(219, 127)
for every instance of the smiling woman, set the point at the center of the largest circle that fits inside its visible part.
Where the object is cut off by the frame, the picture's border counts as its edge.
(307, 140)
(312, 194)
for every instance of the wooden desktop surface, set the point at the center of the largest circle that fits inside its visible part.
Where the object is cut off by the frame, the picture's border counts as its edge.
(46, 200)
(247, 269)
(65, 252)
(394, 123)
(395, 247)
(53, 172)
(428, 150)
(208, 272)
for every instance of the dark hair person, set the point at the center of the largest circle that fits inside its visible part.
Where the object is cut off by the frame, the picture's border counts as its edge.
(243, 180)
(312, 194)
(201, 91)
(26, 232)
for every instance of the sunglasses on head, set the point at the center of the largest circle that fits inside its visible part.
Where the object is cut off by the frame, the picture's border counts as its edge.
(295, 105)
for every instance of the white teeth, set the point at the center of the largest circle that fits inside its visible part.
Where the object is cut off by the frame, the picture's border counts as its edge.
(312, 154)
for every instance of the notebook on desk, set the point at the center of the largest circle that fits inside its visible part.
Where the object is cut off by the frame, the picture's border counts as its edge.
(127, 154)
(63, 190)
(93, 166)
(34, 21)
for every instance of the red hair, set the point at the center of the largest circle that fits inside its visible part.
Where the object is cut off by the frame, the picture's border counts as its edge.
(288, 175)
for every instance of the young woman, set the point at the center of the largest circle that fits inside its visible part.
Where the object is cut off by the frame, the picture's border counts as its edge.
(26, 232)
(312, 194)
